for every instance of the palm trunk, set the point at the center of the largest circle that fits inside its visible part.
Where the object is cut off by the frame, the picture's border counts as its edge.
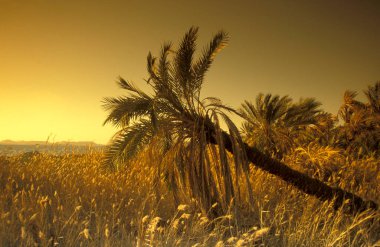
(351, 202)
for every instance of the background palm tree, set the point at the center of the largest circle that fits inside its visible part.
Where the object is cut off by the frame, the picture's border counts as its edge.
(273, 124)
(360, 132)
(373, 96)
(323, 132)
(193, 147)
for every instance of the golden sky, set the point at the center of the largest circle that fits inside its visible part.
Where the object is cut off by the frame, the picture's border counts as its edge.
(58, 59)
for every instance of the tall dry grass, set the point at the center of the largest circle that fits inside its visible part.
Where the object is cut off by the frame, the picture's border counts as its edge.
(71, 200)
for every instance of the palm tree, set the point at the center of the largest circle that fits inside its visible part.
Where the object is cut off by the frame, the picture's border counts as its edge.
(323, 132)
(373, 96)
(274, 123)
(360, 132)
(193, 145)
(175, 114)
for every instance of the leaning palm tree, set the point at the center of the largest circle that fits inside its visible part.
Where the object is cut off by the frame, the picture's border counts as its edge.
(176, 115)
(193, 146)
(273, 124)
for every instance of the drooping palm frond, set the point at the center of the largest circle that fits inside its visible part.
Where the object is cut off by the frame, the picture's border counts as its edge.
(125, 109)
(127, 142)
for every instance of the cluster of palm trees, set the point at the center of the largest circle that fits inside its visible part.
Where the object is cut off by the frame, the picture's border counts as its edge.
(196, 156)
(276, 125)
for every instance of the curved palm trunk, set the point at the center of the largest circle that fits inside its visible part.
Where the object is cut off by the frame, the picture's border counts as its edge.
(301, 181)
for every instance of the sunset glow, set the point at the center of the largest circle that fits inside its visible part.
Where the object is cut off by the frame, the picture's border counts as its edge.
(59, 59)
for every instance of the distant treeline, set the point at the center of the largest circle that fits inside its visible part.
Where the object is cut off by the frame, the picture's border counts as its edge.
(6, 149)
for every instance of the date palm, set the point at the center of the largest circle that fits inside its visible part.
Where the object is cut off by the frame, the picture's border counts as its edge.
(373, 96)
(360, 132)
(176, 115)
(193, 146)
(274, 123)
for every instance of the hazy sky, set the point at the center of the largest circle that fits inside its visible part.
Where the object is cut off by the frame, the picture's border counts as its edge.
(58, 59)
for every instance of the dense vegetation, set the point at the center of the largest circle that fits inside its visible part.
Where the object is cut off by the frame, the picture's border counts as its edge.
(70, 200)
(172, 176)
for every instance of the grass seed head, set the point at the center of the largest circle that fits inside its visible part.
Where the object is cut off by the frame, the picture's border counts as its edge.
(182, 207)
(219, 244)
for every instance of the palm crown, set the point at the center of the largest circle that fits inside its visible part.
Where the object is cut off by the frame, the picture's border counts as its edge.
(273, 123)
(361, 122)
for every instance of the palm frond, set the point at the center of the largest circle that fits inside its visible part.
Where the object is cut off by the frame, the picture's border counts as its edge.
(184, 61)
(151, 66)
(126, 143)
(219, 41)
(164, 67)
(124, 109)
(129, 86)
(303, 113)
(373, 96)
(248, 112)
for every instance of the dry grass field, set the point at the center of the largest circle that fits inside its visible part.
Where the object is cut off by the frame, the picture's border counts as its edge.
(71, 200)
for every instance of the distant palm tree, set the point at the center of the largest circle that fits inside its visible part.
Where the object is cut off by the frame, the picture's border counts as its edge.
(360, 132)
(274, 123)
(373, 96)
(192, 143)
(350, 106)
(323, 132)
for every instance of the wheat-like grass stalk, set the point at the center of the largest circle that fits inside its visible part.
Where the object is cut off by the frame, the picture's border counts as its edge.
(70, 200)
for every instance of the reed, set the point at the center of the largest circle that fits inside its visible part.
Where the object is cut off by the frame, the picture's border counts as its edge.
(71, 200)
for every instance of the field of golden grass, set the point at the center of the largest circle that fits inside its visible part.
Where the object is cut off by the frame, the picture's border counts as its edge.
(71, 200)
